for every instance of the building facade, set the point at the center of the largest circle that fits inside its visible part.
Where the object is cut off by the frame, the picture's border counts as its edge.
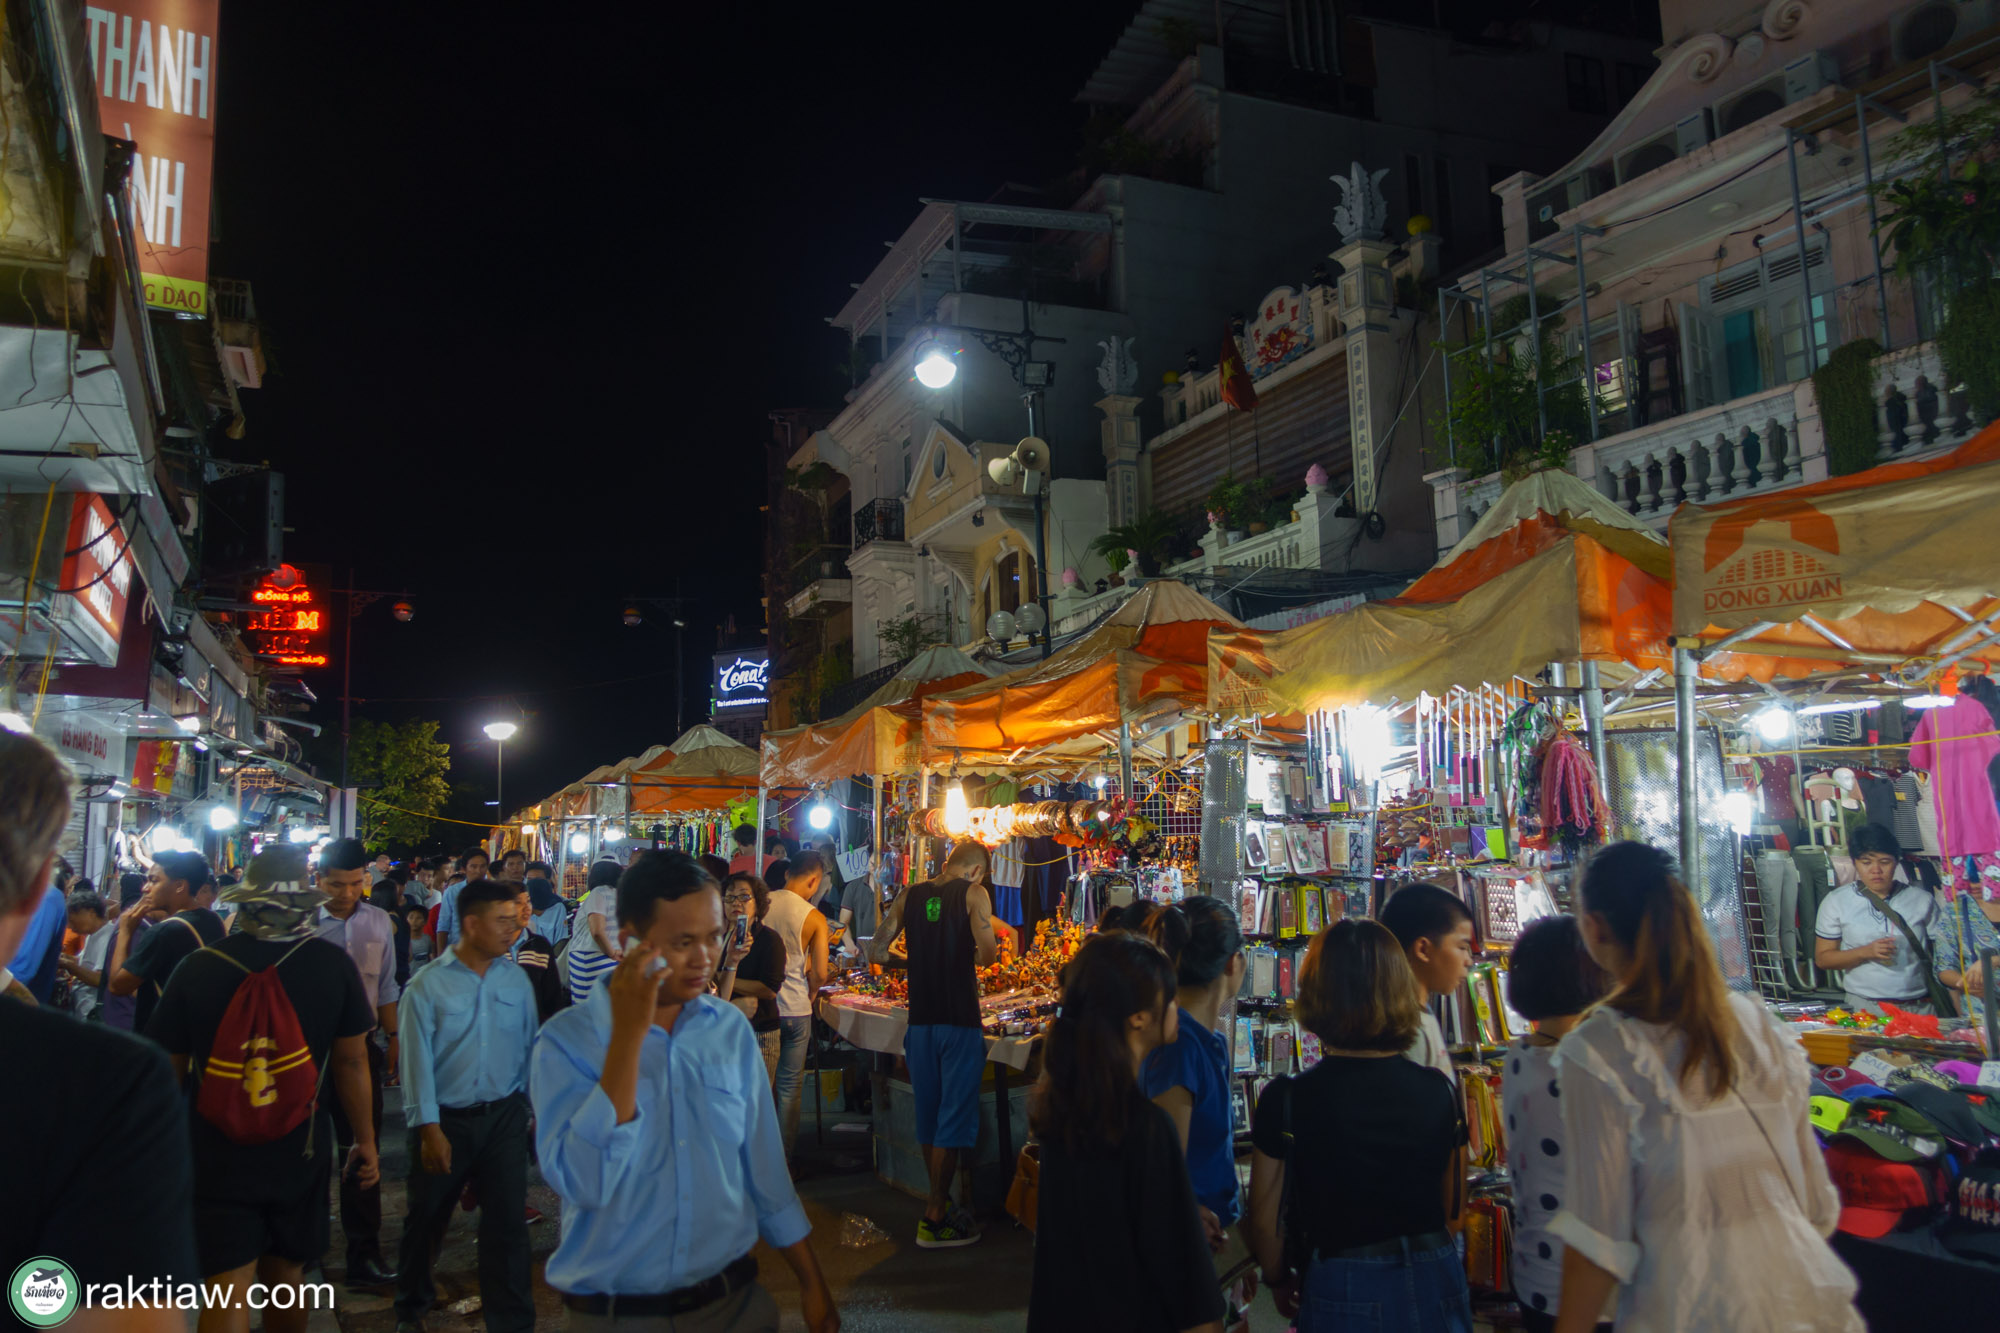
(1722, 307)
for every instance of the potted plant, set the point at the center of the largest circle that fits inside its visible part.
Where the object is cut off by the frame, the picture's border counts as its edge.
(1151, 535)
(1232, 500)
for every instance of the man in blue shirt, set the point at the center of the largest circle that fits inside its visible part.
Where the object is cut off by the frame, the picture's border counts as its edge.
(466, 1023)
(34, 963)
(655, 1126)
(473, 862)
(368, 935)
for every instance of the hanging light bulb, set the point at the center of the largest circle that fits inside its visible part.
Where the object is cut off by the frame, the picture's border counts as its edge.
(579, 843)
(957, 814)
(819, 816)
(612, 833)
(1773, 724)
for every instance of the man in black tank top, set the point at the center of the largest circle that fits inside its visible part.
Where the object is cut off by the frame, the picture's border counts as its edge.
(948, 927)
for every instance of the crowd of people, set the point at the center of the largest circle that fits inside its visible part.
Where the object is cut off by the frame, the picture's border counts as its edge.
(1659, 1122)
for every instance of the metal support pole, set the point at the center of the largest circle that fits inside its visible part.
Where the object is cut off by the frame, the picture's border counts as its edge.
(1033, 399)
(1686, 669)
(1125, 759)
(500, 778)
(1937, 109)
(347, 679)
(1589, 357)
(1535, 341)
(1486, 323)
(1874, 228)
(1593, 722)
(1805, 274)
(1444, 339)
(758, 850)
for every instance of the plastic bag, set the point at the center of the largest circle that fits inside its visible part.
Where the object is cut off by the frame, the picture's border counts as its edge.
(858, 1233)
(470, 1305)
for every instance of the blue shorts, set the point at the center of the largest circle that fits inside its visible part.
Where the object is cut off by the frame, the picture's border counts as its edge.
(945, 1066)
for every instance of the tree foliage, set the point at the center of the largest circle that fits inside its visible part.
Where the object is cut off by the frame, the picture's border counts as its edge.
(399, 764)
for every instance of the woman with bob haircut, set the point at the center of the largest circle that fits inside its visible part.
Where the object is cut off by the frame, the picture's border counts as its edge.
(1119, 1243)
(1551, 981)
(1695, 1185)
(1369, 1142)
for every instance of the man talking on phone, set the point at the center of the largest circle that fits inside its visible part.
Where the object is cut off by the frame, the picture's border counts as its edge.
(467, 1023)
(654, 1127)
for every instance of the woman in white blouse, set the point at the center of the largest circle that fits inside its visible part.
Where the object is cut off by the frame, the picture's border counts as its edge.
(1695, 1184)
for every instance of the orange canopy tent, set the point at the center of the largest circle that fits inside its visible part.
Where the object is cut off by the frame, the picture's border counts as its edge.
(1149, 655)
(1879, 567)
(878, 735)
(1553, 572)
(702, 770)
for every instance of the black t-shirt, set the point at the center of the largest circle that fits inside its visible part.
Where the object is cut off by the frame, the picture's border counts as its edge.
(325, 990)
(155, 956)
(765, 963)
(537, 958)
(97, 1172)
(1119, 1243)
(944, 958)
(1373, 1140)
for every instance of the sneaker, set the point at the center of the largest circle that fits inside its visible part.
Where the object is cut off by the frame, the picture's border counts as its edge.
(954, 1230)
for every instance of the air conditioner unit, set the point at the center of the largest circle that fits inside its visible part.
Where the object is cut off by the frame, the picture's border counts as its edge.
(1654, 153)
(1749, 105)
(1926, 29)
(1798, 80)
(1552, 199)
(1808, 74)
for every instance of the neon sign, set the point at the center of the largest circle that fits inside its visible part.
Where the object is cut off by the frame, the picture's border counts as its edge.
(742, 682)
(289, 626)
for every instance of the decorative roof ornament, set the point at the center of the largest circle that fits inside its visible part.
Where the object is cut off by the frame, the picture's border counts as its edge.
(1363, 213)
(1117, 373)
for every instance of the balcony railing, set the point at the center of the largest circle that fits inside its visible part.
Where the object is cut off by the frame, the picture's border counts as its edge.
(1763, 442)
(878, 521)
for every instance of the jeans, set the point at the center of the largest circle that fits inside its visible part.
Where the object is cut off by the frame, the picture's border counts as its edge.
(767, 1045)
(1421, 1291)
(794, 1036)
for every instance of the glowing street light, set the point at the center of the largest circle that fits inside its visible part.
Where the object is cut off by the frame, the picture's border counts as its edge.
(935, 366)
(501, 732)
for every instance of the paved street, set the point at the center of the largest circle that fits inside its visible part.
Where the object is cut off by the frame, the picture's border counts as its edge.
(886, 1287)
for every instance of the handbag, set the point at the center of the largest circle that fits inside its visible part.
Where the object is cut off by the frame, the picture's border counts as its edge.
(1940, 997)
(1025, 1193)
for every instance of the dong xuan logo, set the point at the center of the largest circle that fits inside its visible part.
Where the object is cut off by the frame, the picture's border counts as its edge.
(44, 1292)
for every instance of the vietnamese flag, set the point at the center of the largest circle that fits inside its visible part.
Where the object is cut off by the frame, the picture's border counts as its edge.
(1237, 389)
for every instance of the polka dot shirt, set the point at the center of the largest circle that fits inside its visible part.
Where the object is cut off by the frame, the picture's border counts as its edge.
(1531, 1104)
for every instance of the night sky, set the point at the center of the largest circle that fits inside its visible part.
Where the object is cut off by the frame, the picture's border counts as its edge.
(530, 283)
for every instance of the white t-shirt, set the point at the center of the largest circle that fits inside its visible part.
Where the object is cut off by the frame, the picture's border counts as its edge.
(1429, 1049)
(1852, 917)
(602, 900)
(96, 953)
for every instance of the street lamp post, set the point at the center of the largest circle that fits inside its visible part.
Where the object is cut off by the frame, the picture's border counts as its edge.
(935, 369)
(358, 600)
(675, 608)
(500, 731)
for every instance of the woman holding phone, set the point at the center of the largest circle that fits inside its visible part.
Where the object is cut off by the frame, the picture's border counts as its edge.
(753, 961)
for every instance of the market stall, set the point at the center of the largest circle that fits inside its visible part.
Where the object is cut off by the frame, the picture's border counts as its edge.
(1887, 579)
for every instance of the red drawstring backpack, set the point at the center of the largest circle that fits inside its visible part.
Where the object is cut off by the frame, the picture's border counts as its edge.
(260, 1082)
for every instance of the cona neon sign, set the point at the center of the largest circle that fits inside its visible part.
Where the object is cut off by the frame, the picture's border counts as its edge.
(742, 682)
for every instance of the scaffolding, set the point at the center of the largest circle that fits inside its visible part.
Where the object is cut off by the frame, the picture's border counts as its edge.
(1891, 98)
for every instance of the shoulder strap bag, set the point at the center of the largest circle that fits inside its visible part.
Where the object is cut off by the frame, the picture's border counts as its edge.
(1940, 996)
